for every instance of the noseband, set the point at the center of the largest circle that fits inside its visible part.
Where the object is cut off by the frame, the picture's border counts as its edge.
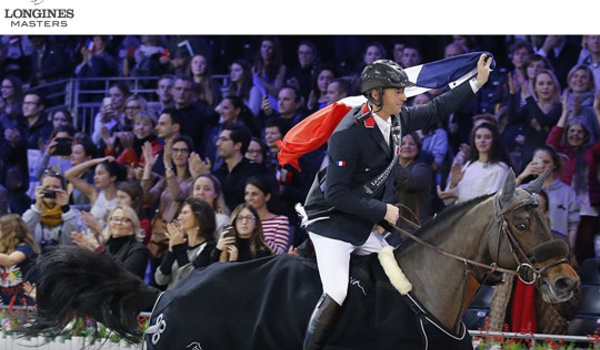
(525, 271)
(523, 268)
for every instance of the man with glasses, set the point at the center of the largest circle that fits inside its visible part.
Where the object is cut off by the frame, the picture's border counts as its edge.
(232, 144)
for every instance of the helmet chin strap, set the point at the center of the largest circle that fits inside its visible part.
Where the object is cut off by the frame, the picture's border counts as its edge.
(372, 102)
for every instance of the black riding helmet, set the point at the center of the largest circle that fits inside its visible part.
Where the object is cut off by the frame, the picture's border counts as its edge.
(382, 74)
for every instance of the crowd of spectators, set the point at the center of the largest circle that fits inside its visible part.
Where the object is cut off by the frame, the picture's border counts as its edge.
(194, 179)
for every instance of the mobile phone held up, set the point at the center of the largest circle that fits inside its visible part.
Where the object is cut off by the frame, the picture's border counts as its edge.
(228, 231)
(48, 193)
(63, 146)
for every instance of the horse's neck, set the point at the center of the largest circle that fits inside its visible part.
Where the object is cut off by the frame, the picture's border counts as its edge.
(439, 281)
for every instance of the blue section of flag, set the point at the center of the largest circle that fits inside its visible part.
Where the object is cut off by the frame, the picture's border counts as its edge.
(438, 74)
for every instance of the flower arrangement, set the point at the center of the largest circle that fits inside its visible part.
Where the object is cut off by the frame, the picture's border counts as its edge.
(503, 342)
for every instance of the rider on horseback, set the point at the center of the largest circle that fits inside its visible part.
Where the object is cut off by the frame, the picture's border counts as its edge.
(342, 211)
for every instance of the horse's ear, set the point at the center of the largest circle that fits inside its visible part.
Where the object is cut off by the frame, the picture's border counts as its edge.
(535, 186)
(508, 190)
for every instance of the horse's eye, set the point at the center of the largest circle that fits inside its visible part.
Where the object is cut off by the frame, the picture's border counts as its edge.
(521, 227)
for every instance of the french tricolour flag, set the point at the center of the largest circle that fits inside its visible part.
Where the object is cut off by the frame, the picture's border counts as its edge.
(315, 130)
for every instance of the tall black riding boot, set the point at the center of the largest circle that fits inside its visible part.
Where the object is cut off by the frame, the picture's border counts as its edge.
(321, 322)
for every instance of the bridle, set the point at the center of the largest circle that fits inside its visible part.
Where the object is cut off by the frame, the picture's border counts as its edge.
(524, 267)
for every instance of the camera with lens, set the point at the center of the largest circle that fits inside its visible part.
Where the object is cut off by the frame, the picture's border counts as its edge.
(48, 193)
(45, 244)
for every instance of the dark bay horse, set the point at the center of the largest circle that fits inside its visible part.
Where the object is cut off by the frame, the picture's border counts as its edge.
(409, 298)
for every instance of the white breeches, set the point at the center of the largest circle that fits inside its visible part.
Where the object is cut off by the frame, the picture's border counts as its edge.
(333, 259)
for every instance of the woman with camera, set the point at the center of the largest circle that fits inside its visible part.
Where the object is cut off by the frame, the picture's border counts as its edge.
(51, 219)
(57, 155)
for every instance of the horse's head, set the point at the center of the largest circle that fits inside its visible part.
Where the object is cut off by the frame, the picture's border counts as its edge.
(526, 241)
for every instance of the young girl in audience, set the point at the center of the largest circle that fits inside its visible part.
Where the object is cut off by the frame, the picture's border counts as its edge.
(208, 188)
(244, 241)
(17, 255)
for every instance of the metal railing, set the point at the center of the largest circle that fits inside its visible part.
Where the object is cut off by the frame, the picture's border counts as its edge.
(83, 96)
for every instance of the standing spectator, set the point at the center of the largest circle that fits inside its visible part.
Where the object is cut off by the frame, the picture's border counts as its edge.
(246, 240)
(57, 155)
(191, 243)
(163, 91)
(197, 118)
(12, 95)
(51, 219)
(413, 181)
(48, 61)
(571, 136)
(268, 70)
(97, 61)
(120, 240)
(581, 98)
(232, 144)
(563, 206)
(536, 117)
(130, 193)
(483, 173)
(206, 90)
(145, 60)
(592, 60)
(308, 62)
(276, 228)
(112, 111)
(241, 84)
(562, 55)
(18, 252)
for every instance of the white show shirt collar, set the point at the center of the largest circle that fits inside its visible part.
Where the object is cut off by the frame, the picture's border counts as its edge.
(384, 126)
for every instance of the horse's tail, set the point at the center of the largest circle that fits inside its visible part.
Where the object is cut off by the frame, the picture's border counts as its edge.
(73, 282)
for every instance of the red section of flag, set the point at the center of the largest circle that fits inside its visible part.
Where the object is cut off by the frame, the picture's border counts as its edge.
(310, 134)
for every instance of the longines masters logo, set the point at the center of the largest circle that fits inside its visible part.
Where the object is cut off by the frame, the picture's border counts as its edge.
(33, 16)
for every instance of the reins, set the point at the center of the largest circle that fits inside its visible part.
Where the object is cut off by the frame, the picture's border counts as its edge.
(515, 248)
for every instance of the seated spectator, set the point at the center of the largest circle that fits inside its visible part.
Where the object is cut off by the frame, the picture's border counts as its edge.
(130, 193)
(413, 180)
(484, 171)
(103, 193)
(232, 110)
(338, 89)
(51, 218)
(208, 188)
(245, 240)
(232, 144)
(163, 91)
(18, 252)
(318, 95)
(171, 190)
(82, 150)
(120, 240)
(57, 155)
(143, 131)
(242, 85)
(276, 228)
(144, 61)
(256, 150)
(191, 243)
(289, 106)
